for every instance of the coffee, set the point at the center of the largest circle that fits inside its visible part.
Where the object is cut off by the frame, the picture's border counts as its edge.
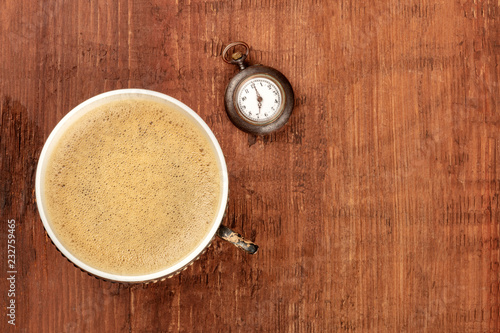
(132, 187)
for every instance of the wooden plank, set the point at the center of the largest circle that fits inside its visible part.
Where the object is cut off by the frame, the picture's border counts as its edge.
(376, 207)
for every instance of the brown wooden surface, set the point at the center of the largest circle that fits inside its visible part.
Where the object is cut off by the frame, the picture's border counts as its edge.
(376, 207)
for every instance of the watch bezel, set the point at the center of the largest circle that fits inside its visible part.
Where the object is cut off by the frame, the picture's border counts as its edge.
(239, 120)
(242, 84)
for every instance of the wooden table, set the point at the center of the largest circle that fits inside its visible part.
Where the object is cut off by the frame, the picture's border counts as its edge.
(376, 208)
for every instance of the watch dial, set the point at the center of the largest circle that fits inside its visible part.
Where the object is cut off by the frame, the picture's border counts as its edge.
(260, 99)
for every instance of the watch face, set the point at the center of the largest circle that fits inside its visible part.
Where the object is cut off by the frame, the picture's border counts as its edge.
(259, 99)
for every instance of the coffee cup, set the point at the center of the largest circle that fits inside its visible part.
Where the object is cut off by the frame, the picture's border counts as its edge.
(132, 186)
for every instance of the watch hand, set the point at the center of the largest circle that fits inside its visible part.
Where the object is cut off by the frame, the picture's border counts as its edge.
(259, 97)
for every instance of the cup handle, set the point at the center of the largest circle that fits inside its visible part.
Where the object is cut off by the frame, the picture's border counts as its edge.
(232, 237)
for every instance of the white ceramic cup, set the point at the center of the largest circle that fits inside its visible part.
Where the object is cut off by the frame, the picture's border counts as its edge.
(126, 94)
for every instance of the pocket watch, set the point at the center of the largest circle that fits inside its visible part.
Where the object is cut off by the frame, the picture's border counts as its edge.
(258, 99)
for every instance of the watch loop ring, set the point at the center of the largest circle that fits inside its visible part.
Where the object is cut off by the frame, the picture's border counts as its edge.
(227, 58)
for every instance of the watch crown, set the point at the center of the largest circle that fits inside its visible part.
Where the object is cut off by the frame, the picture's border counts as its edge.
(237, 55)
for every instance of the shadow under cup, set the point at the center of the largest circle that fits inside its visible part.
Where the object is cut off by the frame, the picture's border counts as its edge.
(122, 95)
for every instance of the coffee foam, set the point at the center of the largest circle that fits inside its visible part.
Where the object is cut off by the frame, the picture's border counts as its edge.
(132, 188)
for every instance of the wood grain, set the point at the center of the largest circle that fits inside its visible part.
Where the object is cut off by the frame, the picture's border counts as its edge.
(376, 208)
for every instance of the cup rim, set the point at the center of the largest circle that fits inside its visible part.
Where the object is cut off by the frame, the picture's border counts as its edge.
(84, 107)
